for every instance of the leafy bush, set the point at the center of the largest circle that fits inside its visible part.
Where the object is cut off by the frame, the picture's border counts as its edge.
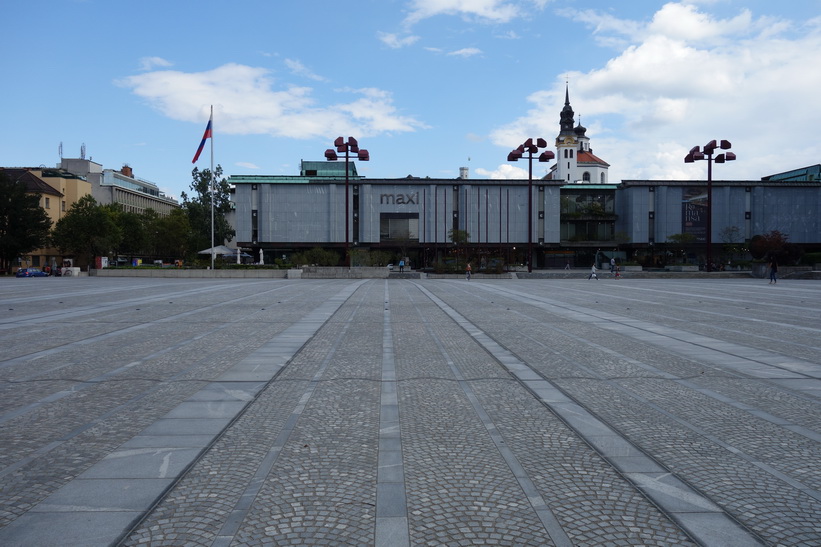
(811, 259)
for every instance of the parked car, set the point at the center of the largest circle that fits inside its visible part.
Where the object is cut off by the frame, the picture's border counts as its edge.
(30, 272)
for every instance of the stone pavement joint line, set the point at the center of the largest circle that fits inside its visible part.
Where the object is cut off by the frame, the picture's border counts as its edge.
(699, 516)
(391, 505)
(542, 509)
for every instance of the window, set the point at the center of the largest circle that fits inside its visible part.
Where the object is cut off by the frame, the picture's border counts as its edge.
(63, 206)
(399, 227)
(48, 203)
(586, 176)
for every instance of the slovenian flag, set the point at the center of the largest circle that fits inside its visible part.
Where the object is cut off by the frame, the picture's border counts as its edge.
(206, 136)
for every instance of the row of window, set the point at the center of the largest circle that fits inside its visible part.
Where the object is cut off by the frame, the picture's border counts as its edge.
(47, 204)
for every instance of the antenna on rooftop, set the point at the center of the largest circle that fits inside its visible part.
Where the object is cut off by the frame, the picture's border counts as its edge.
(83, 151)
(60, 150)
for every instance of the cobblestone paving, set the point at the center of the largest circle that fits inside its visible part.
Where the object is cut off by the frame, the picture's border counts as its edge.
(724, 450)
(715, 383)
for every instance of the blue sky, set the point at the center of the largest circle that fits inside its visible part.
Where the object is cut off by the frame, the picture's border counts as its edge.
(427, 86)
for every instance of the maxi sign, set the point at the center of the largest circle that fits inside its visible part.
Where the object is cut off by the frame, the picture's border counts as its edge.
(399, 199)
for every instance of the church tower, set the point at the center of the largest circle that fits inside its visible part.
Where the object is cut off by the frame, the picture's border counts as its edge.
(566, 144)
(575, 161)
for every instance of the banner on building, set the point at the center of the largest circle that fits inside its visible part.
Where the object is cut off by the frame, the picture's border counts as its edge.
(694, 213)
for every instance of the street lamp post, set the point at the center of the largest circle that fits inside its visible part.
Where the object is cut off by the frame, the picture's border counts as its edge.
(349, 146)
(516, 154)
(706, 153)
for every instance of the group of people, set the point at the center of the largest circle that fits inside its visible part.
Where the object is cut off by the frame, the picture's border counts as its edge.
(615, 270)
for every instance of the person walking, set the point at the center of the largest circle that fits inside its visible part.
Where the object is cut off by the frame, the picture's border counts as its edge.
(467, 272)
(593, 273)
(401, 266)
(773, 271)
(612, 265)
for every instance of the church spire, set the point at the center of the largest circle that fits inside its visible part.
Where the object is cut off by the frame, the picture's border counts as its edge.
(566, 122)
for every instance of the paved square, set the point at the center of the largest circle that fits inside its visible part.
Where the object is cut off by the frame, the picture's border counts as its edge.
(410, 412)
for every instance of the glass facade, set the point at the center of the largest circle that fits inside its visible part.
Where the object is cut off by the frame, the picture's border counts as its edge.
(399, 227)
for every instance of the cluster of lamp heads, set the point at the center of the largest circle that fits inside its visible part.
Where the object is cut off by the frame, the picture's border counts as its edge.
(706, 152)
(349, 146)
(531, 148)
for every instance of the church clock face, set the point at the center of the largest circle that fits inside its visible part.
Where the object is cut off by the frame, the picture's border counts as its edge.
(568, 140)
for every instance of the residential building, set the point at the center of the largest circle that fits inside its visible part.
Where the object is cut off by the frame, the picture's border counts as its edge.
(59, 190)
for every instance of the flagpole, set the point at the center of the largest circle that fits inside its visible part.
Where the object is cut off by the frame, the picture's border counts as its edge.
(212, 192)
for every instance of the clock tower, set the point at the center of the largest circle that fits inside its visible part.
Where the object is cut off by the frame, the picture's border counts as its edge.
(575, 161)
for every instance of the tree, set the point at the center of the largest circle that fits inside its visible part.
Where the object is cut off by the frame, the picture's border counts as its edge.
(172, 234)
(87, 231)
(761, 246)
(775, 244)
(134, 229)
(198, 208)
(681, 239)
(316, 257)
(24, 225)
(731, 236)
(458, 237)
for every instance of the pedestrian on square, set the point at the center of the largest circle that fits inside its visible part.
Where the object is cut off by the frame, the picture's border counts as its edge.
(593, 273)
(467, 272)
(773, 271)
(612, 265)
(401, 266)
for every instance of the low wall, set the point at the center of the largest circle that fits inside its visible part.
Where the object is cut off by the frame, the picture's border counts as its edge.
(190, 274)
(316, 272)
(477, 276)
(762, 269)
(682, 268)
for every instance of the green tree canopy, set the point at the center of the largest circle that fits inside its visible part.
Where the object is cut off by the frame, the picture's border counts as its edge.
(682, 239)
(172, 235)
(88, 230)
(133, 227)
(24, 225)
(458, 238)
(198, 208)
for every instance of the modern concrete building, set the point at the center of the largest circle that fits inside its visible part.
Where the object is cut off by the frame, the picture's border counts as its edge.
(411, 217)
(650, 211)
(414, 216)
(109, 186)
(575, 214)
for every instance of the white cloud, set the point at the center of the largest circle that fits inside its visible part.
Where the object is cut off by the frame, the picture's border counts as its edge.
(466, 52)
(684, 78)
(247, 102)
(396, 41)
(299, 69)
(504, 171)
(247, 165)
(499, 11)
(150, 63)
